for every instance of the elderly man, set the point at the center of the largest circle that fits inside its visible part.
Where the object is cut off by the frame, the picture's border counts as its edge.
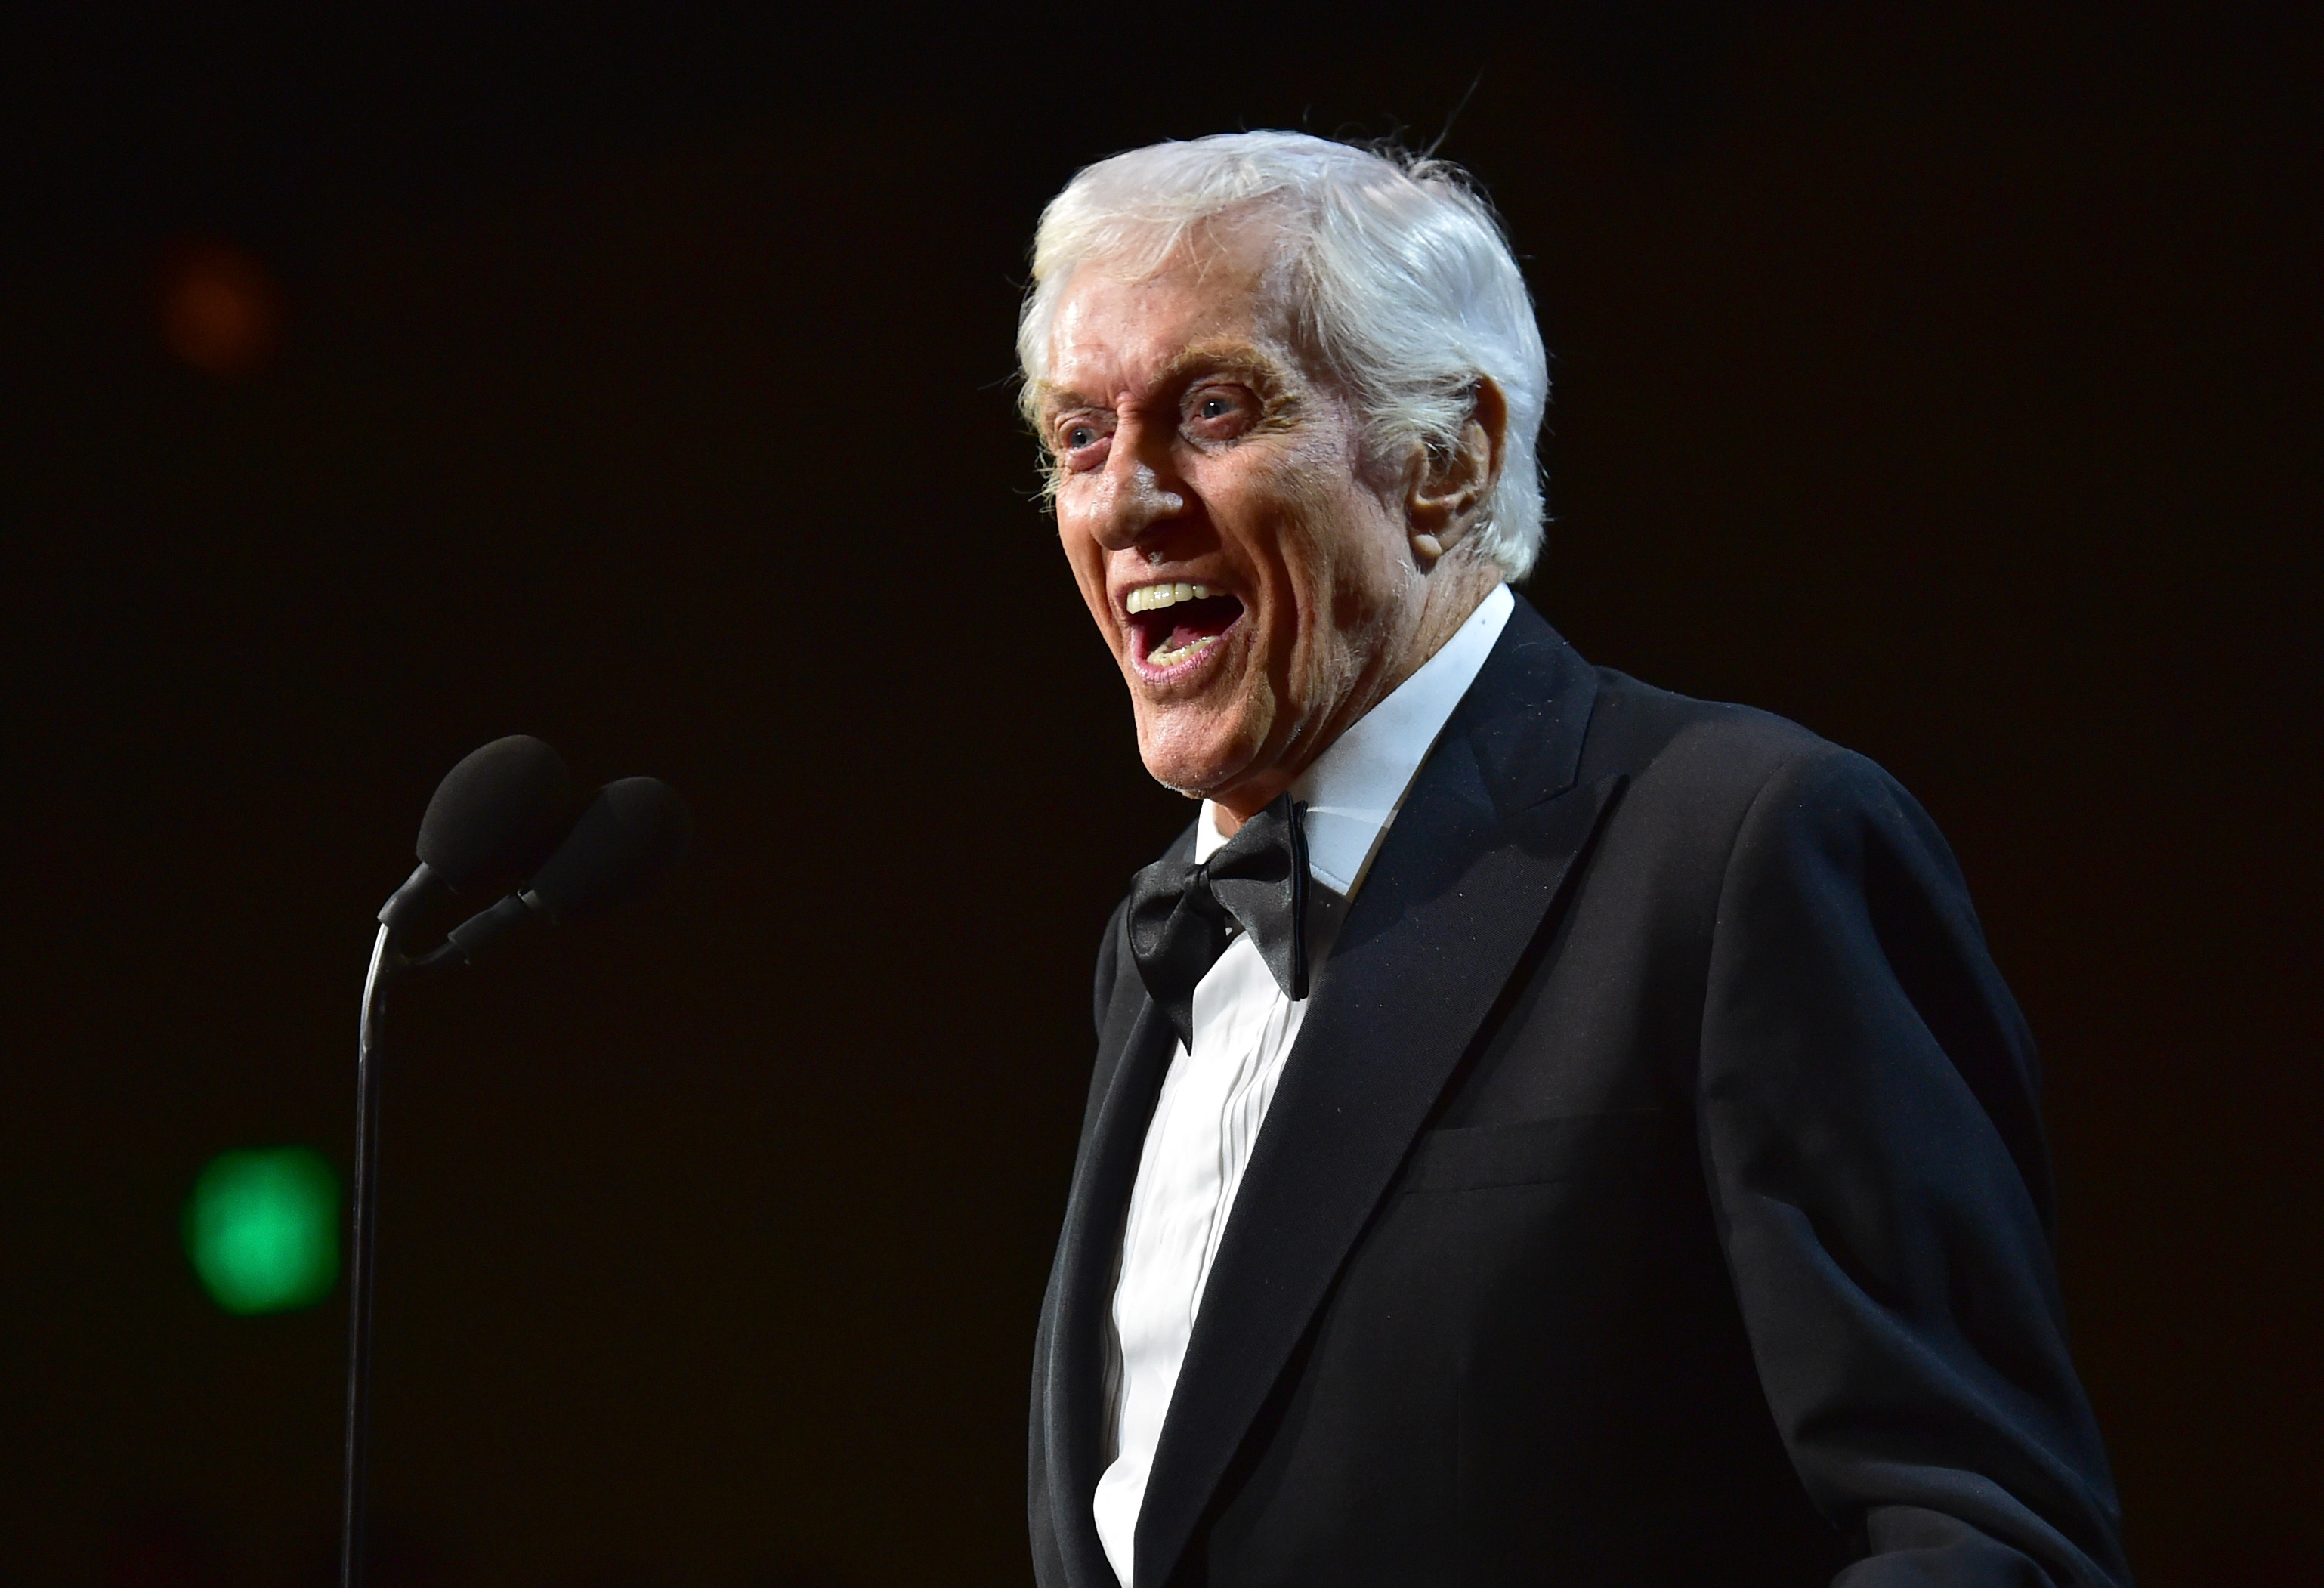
(1545, 1129)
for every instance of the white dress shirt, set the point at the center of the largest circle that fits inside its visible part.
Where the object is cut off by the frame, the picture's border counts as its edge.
(1215, 1096)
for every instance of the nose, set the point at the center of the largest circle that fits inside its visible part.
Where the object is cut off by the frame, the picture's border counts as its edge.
(1139, 497)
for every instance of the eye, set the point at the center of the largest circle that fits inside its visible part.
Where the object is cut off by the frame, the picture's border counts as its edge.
(1217, 413)
(1080, 443)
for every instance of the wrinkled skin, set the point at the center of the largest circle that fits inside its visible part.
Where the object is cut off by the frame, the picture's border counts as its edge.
(1194, 442)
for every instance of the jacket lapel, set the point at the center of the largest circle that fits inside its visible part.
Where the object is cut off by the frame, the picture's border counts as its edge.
(1479, 852)
(1137, 1044)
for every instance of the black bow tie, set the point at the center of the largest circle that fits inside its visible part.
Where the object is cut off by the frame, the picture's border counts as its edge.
(1183, 915)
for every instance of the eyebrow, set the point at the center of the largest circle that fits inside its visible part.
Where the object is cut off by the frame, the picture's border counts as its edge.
(1227, 357)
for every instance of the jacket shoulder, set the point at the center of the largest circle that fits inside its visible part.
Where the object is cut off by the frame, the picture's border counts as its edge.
(1718, 755)
(1702, 774)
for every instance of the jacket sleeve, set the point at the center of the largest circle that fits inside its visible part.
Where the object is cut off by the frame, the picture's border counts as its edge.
(1873, 1144)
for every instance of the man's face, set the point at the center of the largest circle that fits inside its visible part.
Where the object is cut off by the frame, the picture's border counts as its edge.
(1250, 574)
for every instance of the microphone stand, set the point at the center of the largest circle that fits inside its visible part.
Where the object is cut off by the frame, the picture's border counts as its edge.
(639, 827)
(385, 963)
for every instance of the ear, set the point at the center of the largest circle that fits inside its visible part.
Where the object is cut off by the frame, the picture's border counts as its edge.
(1451, 486)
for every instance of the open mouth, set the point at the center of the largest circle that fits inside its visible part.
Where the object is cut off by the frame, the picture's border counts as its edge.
(1171, 624)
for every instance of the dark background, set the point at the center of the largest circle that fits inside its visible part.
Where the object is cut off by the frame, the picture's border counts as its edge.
(1946, 381)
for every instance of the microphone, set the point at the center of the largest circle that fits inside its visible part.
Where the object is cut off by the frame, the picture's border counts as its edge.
(495, 817)
(634, 830)
(505, 812)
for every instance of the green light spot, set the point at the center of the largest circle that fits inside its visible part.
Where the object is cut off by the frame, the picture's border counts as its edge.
(262, 1228)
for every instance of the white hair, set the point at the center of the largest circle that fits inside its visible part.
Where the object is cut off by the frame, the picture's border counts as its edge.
(1397, 272)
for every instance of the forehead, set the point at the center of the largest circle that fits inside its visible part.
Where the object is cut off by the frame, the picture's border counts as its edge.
(1116, 337)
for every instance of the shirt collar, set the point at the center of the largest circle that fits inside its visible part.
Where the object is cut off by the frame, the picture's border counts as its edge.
(1353, 790)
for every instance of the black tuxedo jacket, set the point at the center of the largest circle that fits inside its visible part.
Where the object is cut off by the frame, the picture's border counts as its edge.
(1656, 1194)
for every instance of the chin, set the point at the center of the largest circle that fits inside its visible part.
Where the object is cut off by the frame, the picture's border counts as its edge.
(1196, 759)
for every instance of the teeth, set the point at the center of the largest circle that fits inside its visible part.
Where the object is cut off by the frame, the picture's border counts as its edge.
(1154, 597)
(1163, 656)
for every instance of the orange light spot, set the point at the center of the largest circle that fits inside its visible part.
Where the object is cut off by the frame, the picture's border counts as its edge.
(219, 311)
